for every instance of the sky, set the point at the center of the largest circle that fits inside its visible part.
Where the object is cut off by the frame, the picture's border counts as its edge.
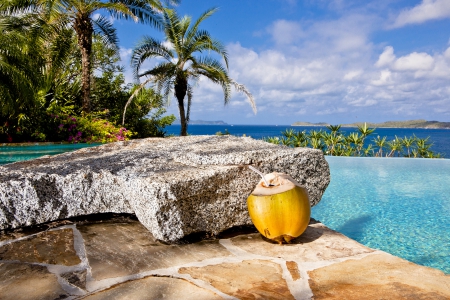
(334, 61)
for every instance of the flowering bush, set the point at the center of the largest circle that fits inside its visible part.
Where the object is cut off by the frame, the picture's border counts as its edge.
(89, 129)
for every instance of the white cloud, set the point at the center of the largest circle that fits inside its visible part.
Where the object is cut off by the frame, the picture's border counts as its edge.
(318, 83)
(386, 58)
(414, 62)
(425, 11)
(411, 62)
(330, 111)
(447, 53)
(384, 79)
(285, 32)
(125, 54)
(352, 75)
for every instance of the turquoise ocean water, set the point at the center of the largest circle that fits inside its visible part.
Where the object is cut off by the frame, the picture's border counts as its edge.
(398, 205)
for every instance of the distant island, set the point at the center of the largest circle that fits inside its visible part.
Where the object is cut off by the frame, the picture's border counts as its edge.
(389, 124)
(201, 122)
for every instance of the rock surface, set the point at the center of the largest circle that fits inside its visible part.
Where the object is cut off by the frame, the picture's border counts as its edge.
(263, 279)
(120, 259)
(175, 186)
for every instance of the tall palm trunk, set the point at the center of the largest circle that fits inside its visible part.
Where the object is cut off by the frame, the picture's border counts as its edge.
(84, 29)
(180, 93)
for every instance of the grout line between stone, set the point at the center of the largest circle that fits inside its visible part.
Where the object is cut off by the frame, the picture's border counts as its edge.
(300, 289)
(310, 266)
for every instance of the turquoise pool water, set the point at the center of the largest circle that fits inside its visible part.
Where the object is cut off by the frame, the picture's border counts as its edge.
(401, 206)
(10, 154)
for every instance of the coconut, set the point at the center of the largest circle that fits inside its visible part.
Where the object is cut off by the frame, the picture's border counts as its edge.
(279, 207)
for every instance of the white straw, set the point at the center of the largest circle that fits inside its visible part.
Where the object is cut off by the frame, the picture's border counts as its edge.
(260, 174)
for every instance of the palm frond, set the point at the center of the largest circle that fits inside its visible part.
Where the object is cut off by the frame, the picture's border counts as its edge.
(161, 70)
(107, 32)
(172, 30)
(241, 88)
(133, 95)
(144, 11)
(193, 30)
(147, 48)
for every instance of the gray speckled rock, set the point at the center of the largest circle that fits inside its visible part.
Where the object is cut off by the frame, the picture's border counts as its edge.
(175, 186)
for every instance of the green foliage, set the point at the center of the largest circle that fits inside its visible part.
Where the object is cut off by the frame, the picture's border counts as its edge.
(75, 129)
(225, 132)
(57, 92)
(144, 116)
(41, 75)
(335, 143)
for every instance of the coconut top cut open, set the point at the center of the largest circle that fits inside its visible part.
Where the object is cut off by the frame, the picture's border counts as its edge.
(278, 183)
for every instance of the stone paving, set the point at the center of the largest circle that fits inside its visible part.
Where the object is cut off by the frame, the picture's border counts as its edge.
(115, 257)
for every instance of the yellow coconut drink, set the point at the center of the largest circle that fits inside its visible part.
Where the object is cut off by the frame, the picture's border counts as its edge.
(279, 207)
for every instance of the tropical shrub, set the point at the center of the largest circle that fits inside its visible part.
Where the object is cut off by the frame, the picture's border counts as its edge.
(335, 143)
(88, 129)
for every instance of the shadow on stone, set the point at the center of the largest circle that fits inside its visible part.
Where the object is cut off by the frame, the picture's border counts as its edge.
(237, 230)
(310, 235)
(226, 234)
(11, 234)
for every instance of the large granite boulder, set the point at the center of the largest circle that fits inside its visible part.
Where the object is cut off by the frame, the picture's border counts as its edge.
(175, 186)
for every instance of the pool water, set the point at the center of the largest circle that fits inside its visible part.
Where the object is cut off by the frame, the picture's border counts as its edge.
(400, 205)
(10, 154)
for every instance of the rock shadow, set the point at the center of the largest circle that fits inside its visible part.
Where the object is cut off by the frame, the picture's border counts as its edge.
(309, 235)
(354, 228)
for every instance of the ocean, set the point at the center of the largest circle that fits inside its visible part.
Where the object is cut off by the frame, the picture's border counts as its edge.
(440, 138)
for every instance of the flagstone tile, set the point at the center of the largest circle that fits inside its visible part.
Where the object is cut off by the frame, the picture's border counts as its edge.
(293, 269)
(155, 288)
(250, 279)
(77, 278)
(317, 243)
(118, 249)
(379, 276)
(23, 281)
(50, 247)
(12, 234)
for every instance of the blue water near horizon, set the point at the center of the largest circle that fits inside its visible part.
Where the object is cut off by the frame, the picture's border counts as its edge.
(400, 205)
(440, 138)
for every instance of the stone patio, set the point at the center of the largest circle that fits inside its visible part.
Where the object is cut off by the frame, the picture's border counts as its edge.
(113, 256)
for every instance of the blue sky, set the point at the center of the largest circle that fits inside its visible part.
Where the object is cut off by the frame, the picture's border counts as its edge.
(336, 61)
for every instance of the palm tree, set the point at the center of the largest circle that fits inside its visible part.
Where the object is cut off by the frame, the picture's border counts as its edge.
(408, 143)
(32, 59)
(380, 143)
(79, 15)
(396, 145)
(180, 67)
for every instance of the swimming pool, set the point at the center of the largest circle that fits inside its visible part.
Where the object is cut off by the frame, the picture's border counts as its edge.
(400, 205)
(10, 154)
